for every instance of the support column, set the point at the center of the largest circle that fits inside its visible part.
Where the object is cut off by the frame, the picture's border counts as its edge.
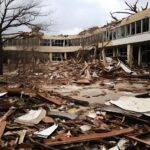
(65, 56)
(130, 54)
(104, 57)
(114, 52)
(63, 43)
(9, 65)
(50, 57)
(118, 52)
(139, 56)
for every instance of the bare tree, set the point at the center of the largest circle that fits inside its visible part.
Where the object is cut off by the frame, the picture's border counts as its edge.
(131, 9)
(30, 43)
(15, 14)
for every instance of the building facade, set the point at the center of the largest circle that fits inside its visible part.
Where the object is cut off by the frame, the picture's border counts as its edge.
(127, 39)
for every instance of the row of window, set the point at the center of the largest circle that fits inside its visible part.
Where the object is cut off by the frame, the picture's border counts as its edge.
(23, 42)
(58, 56)
(137, 27)
(46, 42)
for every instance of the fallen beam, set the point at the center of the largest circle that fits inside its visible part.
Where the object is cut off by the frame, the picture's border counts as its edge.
(54, 100)
(7, 114)
(3, 120)
(70, 99)
(14, 91)
(139, 140)
(2, 128)
(89, 137)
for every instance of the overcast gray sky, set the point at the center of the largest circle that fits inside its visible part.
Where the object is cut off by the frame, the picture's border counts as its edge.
(72, 16)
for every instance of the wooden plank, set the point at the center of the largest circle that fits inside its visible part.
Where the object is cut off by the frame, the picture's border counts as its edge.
(54, 100)
(89, 137)
(2, 128)
(139, 140)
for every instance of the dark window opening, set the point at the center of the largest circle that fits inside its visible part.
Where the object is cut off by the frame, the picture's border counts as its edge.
(119, 32)
(68, 43)
(123, 53)
(128, 29)
(110, 35)
(57, 56)
(107, 35)
(114, 35)
(138, 26)
(104, 36)
(145, 24)
(99, 37)
(133, 28)
(45, 42)
(57, 42)
(123, 31)
(109, 53)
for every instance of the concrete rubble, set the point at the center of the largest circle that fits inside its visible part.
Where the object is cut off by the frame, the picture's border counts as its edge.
(75, 106)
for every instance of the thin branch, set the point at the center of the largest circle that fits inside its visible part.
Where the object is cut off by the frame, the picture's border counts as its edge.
(122, 12)
(115, 18)
(146, 7)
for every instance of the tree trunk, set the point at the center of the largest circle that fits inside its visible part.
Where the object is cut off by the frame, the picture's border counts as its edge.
(1, 56)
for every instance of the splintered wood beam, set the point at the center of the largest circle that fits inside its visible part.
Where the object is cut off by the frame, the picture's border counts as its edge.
(89, 137)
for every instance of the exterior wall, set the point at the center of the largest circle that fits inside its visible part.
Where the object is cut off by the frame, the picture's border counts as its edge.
(132, 30)
(132, 39)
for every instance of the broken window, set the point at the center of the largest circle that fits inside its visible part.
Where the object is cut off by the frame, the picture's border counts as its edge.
(96, 37)
(9, 42)
(133, 28)
(15, 41)
(145, 24)
(68, 43)
(109, 53)
(119, 32)
(45, 42)
(123, 31)
(78, 40)
(88, 40)
(123, 53)
(104, 36)
(75, 42)
(57, 42)
(128, 29)
(99, 37)
(107, 35)
(138, 26)
(92, 38)
(114, 34)
(110, 35)
(57, 56)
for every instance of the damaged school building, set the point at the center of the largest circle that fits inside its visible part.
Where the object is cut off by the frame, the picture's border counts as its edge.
(89, 100)
(127, 39)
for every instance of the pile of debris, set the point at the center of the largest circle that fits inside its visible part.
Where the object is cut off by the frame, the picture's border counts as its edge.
(33, 119)
(68, 72)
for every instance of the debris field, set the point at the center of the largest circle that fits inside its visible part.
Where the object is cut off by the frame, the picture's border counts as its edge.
(33, 117)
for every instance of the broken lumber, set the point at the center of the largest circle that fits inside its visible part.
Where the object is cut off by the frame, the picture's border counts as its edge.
(2, 127)
(14, 91)
(70, 99)
(90, 137)
(139, 140)
(7, 114)
(3, 120)
(51, 100)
